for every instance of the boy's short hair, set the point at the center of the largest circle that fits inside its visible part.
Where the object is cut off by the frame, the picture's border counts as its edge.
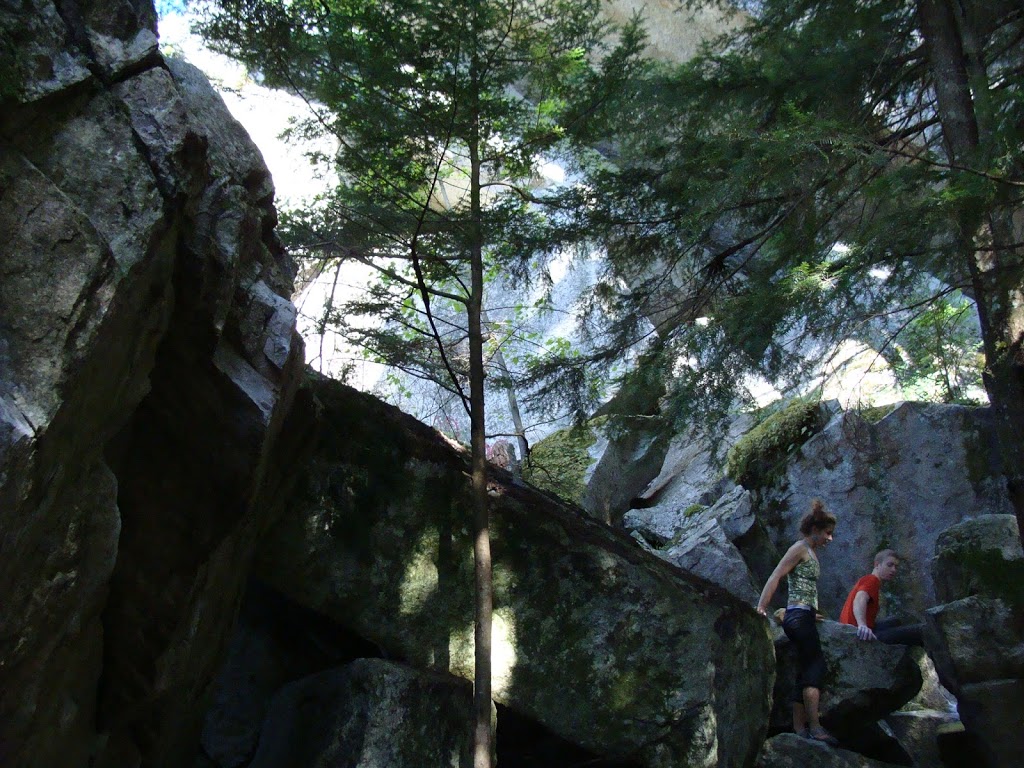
(880, 557)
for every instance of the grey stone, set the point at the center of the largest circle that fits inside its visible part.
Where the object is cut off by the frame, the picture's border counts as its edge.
(692, 473)
(975, 640)
(918, 733)
(933, 696)
(707, 552)
(132, 469)
(864, 680)
(627, 453)
(745, 547)
(787, 750)
(367, 714)
(994, 710)
(897, 484)
(978, 647)
(603, 644)
(121, 34)
(42, 59)
(975, 557)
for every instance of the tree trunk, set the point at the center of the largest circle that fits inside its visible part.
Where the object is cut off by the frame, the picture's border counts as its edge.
(482, 746)
(992, 252)
(513, 402)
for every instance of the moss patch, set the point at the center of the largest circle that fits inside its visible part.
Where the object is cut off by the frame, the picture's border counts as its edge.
(976, 456)
(758, 458)
(693, 509)
(560, 461)
(875, 413)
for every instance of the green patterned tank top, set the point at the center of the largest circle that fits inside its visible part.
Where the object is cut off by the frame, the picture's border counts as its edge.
(803, 583)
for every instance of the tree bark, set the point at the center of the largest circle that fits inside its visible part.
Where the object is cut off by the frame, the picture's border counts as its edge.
(482, 743)
(513, 403)
(992, 251)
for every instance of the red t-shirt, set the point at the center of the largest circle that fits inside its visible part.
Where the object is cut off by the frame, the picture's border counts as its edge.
(870, 584)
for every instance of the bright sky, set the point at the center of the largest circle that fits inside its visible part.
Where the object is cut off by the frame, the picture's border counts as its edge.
(263, 112)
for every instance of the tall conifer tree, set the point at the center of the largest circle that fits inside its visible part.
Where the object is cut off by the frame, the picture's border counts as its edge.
(441, 110)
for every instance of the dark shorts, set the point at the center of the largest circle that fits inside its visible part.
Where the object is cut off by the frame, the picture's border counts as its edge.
(801, 627)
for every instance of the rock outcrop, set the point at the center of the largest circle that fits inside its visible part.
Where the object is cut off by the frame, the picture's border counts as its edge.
(603, 644)
(147, 358)
(724, 543)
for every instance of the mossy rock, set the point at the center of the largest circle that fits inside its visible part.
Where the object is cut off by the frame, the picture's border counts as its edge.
(875, 413)
(758, 458)
(981, 557)
(559, 463)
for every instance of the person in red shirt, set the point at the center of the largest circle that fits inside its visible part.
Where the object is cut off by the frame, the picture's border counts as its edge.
(861, 607)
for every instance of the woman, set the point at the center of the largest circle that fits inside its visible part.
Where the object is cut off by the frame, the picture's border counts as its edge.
(800, 566)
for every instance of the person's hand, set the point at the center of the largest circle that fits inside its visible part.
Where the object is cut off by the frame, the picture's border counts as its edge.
(864, 633)
(762, 610)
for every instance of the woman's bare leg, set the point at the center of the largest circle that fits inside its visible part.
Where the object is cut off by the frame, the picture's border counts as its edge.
(799, 718)
(811, 698)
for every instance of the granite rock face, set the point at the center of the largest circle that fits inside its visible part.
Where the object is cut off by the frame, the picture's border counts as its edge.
(897, 483)
(603, 644)
(147, 359)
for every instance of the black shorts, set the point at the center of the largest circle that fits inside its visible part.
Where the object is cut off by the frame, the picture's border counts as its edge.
(801, 627)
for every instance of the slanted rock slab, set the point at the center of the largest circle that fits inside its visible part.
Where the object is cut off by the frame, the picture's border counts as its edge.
(707, 552)
(918, 733)
(602, 643)
(787, 750)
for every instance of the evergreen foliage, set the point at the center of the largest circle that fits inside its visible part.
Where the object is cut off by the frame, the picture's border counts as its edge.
(825, 171)
(794, 185)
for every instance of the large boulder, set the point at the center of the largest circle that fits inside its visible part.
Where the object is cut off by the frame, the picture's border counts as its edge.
(982, 556)
(147, 360)
(978, 647)
(605, 645)
(367, 714)
(895, 483)
(787, 750)
(864, 680)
